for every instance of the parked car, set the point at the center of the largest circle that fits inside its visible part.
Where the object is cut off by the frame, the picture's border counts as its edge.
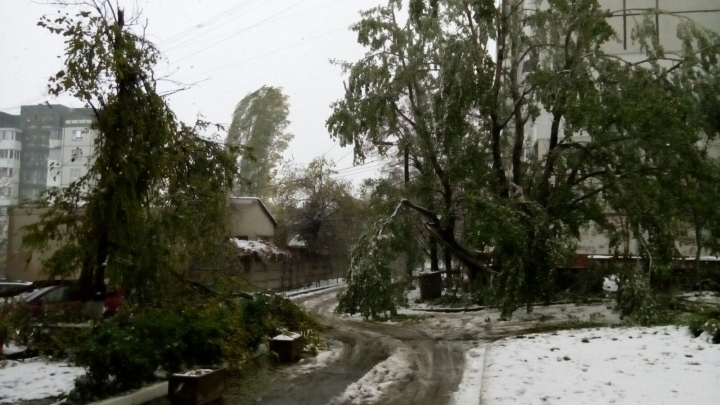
(11, 286)
(67, 297)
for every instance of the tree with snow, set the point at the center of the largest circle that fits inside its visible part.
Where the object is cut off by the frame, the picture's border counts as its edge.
(432, 83)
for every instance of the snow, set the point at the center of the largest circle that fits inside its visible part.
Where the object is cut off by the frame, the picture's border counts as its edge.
(610, 283)
(35, 378)
(468, 392)
(263, 249)
(660, 365)
(379, 381)
(12, 348)
(320, 287)
(306, 366)
(195, 373)
(287, 338)
(479, 323)
(704, 297)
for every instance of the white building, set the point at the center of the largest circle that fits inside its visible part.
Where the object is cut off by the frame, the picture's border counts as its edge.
(10, 154)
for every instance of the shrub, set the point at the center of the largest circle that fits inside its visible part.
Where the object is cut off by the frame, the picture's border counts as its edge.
(707, 320)
(123, 353)
(638, 303)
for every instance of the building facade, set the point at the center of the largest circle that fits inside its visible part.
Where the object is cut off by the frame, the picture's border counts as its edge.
(44, 146)
(10, 154)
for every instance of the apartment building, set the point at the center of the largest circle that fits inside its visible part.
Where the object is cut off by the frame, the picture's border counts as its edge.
(10, 147)
(44, 146)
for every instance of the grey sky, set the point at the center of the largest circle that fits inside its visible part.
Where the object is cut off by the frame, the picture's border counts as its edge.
(232, 46)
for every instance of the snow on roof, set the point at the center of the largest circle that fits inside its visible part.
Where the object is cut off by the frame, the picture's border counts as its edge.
(262, 206)
(262, 249)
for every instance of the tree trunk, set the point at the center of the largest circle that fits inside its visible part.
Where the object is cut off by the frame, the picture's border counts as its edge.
(698, 249)
(434, 266)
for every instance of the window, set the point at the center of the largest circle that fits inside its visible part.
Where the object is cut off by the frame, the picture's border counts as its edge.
(12, 154)
(17, 155)
(77, 135)
(3, 211)
(54, 154)
(5, 192)
(5, 172)
(74, 174)
(5, 135)
(55, 134)
(4, 153)
(77, 153)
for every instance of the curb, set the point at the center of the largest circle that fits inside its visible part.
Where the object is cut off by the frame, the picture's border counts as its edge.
(479, 308)
(138, 397)
(482, 373)
(294, 294)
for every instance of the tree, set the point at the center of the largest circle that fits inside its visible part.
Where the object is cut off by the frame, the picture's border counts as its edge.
(259, 123)
(433, 84)
(319, 208)
(154, 194)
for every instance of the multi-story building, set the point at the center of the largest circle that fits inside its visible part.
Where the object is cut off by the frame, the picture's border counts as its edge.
(10, 147)
(45, 146)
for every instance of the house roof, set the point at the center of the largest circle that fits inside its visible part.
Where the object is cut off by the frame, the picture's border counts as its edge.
(262, 206)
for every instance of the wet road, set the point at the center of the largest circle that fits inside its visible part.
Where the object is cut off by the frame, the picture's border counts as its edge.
(434, 365)
(419, 361)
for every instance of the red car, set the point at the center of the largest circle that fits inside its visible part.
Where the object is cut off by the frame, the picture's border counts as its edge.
(67, 297)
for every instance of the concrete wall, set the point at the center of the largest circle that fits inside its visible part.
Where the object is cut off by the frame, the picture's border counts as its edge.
(17, 267)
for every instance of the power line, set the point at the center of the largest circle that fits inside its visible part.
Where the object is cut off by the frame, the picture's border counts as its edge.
(266, 54)
(239, 32)
(269, 21)
(191, 39)
(203, 24)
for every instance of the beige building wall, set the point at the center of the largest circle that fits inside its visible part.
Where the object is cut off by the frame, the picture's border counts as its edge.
(250, 219)
(18, 268)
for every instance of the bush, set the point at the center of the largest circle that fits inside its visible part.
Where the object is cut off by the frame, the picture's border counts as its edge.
(638, 303)
(708, 320)
(123, 353)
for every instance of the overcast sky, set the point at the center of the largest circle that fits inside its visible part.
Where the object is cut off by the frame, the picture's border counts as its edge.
(232, 47)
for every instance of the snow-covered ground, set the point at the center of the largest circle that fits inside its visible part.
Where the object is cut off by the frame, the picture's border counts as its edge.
(314, 288)
(468, 392)
(475, 325)
(380, 381)
(661, 365)
(322, 359)
(704, 297)
(35, 379)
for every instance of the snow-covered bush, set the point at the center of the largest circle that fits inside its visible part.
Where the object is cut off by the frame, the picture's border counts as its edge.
(370, 290)
(637, 302)
(708, 321)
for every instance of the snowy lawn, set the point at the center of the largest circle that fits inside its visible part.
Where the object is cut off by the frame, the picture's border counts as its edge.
(468, 392)
(35, 379)
(660, 365)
